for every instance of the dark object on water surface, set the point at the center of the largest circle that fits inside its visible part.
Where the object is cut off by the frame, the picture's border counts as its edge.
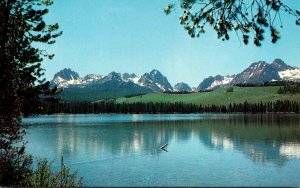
(164, 147)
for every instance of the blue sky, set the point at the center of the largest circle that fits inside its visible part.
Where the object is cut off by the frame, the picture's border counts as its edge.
(135, 36)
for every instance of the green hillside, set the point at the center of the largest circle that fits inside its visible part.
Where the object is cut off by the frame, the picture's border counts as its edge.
(89, 95)
(220, 97)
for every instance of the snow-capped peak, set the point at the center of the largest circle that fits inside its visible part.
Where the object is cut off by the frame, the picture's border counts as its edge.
(215, 82)
(155, 81)
(130, 78)
(92, 77)
(154, 71)
(67, 74)
(65, 78)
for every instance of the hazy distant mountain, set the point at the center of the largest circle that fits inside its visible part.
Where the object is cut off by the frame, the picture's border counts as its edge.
(182, 87)
(257, 73)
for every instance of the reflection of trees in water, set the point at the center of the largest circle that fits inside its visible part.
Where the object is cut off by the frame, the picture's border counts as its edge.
(261, 138)
(113, 138)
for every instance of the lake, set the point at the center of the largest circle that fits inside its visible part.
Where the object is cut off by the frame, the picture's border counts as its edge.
(202, 150)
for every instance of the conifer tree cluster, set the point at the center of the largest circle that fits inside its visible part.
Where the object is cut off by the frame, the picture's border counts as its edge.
(167, 107)
(22, 29)
(287, 88)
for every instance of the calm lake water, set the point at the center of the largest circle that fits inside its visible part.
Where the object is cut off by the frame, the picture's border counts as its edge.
(203, 149)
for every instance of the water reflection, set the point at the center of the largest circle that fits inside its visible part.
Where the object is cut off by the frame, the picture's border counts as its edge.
(290, 150)
(262, 138)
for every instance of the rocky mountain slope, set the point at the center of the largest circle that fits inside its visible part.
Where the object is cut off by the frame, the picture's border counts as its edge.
(118, 85)
(182, 87)
(110, 86)
(257, 73)
(215, 82)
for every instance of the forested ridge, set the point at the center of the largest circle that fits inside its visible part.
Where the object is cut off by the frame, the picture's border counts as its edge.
(167, 107)
(142, 107)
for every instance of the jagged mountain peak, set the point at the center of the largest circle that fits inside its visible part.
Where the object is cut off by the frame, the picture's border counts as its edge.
(131, 78)
(257, 73)
(155, 71)
(156, 81)
(279, 62)
(126, 76)
(180, 83)
(132, 75)
(156, 74)
(65, 78)
(114, 75)
(67, 74)
(115, 83)
(280, 65)
(92, 76)
(258, 65)
(153, 81)
(181, 86)
(219, 77)
(215, 82)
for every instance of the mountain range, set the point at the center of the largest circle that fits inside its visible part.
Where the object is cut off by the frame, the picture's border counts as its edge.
(151, 82)
(96, 87)
(257, 73)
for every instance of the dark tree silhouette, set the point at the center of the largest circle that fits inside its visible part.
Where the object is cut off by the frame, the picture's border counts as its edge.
(245, 17)
(167, 107)
(22, 29)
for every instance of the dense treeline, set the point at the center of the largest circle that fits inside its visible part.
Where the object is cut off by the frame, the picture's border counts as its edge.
(178, 92)
(289, 88)
(275, 83)
(135, 95)
(187, 92)
(166, 107)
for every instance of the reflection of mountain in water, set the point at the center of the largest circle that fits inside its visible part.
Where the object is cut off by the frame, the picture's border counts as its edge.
(290, 150)
(261, 138)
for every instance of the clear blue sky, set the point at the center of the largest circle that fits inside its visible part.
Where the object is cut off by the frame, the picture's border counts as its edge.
(135, 36)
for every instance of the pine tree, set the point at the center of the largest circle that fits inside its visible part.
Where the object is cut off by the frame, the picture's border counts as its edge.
(245, 18)
(21, 29)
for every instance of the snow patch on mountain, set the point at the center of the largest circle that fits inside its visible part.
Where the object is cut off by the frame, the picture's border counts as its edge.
(290, 74)
(60, 82)
(160, 86)
(135, 79)
(92, 78)
(226, 80)
(215, 82)
(130, 78)
(257, 73)
(153, 81)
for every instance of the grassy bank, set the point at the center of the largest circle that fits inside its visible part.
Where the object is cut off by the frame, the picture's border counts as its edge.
(217, 97)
